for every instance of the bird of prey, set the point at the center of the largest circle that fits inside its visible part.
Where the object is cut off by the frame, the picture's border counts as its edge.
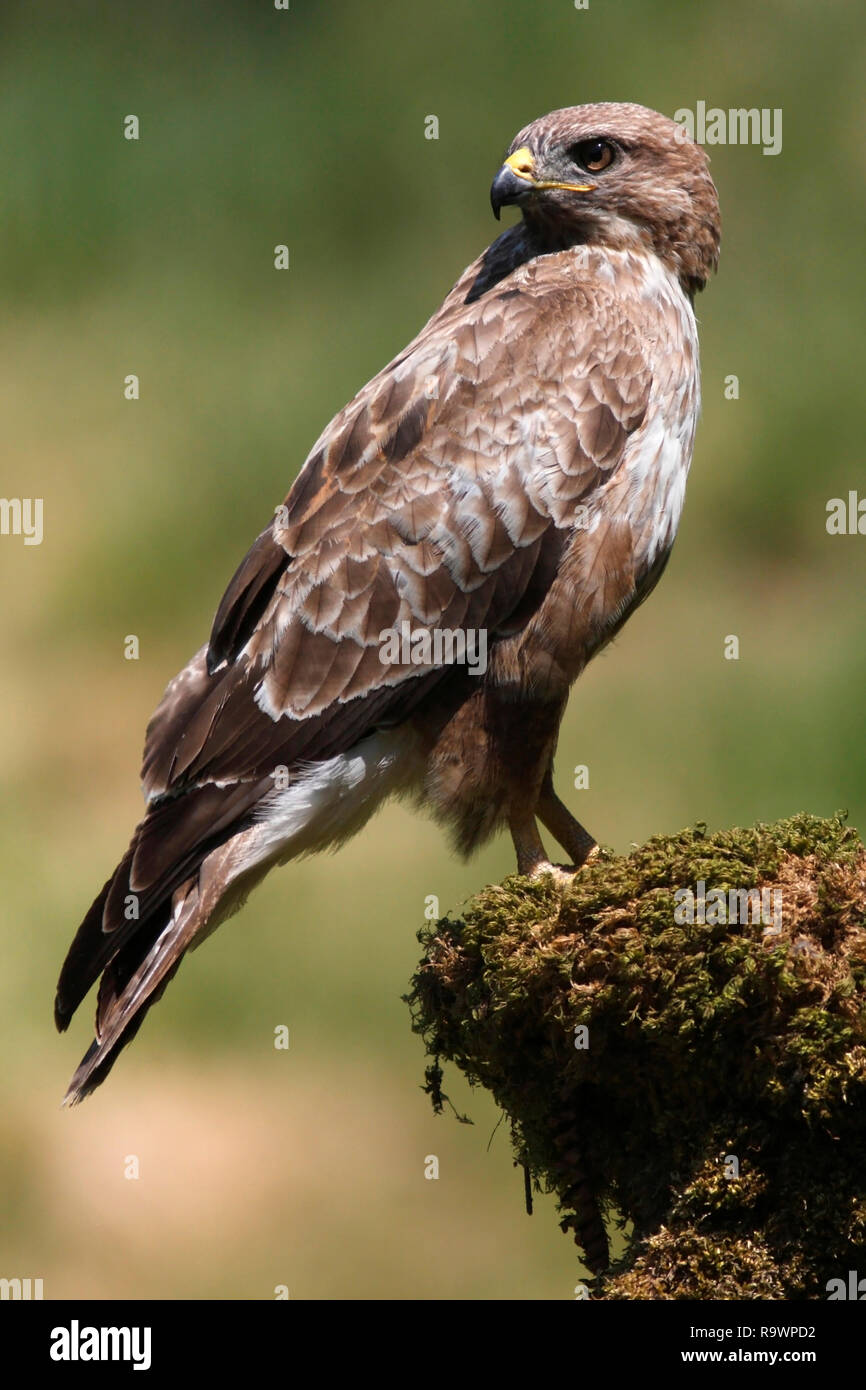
(517, 472)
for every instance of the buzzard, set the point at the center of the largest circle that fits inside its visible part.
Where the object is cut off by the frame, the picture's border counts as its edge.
(517, 473)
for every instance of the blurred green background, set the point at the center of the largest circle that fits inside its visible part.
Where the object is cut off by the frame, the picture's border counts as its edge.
(306, 1167)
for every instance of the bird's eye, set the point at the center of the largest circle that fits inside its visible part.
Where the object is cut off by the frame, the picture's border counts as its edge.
(593, 155)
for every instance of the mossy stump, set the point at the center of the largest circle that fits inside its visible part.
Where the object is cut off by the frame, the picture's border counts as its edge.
(702, 1082)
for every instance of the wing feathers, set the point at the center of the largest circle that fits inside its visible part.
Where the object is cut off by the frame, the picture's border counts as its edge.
(245, 599)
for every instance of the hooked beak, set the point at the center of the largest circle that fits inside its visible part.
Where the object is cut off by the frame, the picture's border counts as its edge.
(513, 181)
(516, 179)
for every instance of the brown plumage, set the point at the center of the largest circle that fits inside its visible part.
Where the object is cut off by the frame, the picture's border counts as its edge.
(517, 471)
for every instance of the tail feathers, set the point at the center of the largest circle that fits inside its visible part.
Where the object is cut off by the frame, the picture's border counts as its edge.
(91, 949)
(169, 887)
(135, 979)
(108, 927)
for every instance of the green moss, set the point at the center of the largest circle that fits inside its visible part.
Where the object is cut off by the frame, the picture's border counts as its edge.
(719, 1104)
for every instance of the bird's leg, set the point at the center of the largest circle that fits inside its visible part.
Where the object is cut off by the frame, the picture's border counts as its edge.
(568, 832)
(533, 795)
(531, 855)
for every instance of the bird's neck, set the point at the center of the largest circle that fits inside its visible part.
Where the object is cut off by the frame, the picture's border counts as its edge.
(527, 240)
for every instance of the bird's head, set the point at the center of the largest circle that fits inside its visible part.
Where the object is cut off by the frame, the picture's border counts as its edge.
(618, 175)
